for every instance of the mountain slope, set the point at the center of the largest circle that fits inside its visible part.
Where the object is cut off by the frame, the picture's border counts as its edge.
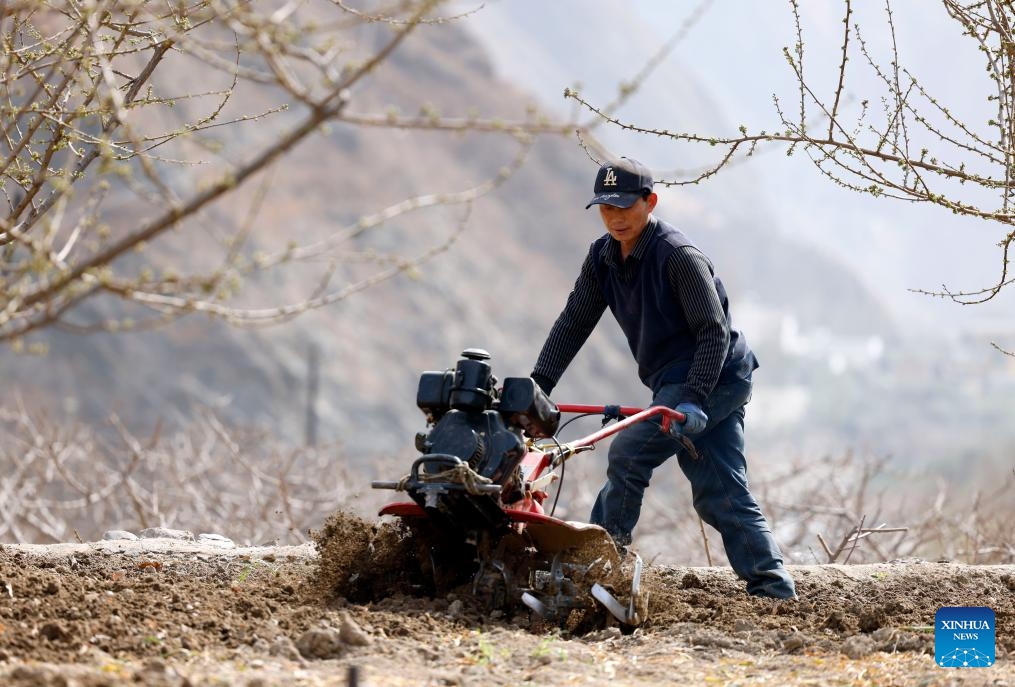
(499, 287)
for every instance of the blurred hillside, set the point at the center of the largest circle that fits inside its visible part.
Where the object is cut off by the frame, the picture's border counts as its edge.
(835, 373)
(915, 376)
(724, 72)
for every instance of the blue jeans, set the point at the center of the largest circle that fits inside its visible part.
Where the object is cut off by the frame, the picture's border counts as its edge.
(718, 478)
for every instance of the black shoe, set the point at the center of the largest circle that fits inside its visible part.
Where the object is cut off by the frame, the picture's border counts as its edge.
(763, 595)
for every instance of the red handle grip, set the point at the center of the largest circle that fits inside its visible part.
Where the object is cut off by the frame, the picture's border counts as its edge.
(579, 408)
(634, 416)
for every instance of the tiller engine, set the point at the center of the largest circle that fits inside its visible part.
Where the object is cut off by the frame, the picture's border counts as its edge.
(478, 492)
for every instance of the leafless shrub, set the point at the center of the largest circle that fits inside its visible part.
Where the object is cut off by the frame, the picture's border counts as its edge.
(60, 481)
(851, 509)
(877, 511)
(63, 480)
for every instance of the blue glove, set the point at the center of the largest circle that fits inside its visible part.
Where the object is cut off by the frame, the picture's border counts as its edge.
(694, 418)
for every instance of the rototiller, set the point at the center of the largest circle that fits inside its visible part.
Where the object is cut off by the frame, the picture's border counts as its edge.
(479, 488)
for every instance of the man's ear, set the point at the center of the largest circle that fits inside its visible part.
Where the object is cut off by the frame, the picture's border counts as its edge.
(652, 200)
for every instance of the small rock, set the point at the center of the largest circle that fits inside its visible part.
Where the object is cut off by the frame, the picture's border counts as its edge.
(873, 619)
(29, 675)
(112, 535)
(604, 635)
(94, 655)
(216, 540)
(53, 632)
(166, 533)
(455, 608)
(743, 625)
(691, 581)
(156, 666)
(284, 647)
(793, 642)
(883, 634)
(857, 646)
(352, 634)
(839, 622)
(320, 643)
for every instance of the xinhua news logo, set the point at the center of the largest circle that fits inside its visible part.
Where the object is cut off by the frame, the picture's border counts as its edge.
(964, 637)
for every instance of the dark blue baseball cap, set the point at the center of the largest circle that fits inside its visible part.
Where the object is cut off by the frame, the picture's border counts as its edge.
(620, 183)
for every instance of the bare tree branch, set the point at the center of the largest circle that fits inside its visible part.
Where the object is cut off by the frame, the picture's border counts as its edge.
(920, 152)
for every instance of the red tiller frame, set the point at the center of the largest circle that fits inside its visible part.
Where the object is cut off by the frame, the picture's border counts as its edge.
(632, 416)
(535, 462)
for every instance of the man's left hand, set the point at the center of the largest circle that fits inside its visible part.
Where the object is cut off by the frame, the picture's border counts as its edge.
(695, 418)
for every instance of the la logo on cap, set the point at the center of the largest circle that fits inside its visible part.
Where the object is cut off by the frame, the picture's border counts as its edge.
(611, 178)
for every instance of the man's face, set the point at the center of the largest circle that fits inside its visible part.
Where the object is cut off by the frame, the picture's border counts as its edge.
(626, 224)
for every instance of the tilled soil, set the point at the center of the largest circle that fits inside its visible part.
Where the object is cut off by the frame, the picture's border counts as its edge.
(174, 613)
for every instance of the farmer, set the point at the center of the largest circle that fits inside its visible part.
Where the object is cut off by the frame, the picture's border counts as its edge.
(674, 311)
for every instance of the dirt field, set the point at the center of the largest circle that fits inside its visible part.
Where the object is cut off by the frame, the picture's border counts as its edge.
(165, 612)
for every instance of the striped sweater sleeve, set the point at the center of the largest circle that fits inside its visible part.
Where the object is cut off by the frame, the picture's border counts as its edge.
(585, 306)
(693, 286)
